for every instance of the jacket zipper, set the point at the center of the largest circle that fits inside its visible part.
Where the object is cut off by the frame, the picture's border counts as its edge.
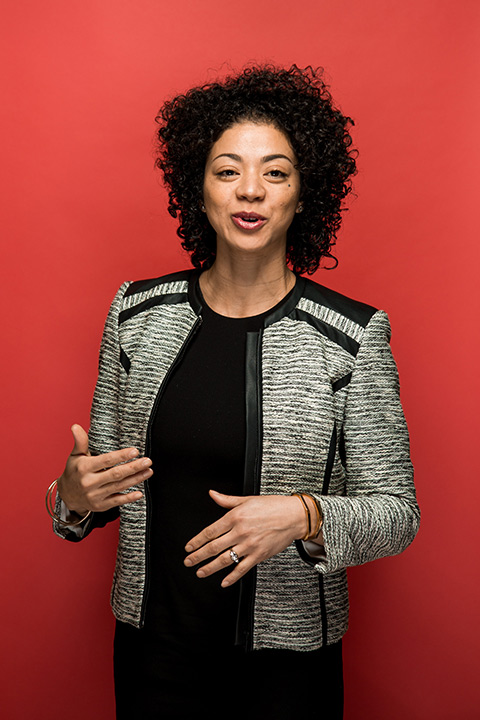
(148, 445)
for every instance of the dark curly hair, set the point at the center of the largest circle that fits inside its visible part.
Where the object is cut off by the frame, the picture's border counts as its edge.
(298, 103)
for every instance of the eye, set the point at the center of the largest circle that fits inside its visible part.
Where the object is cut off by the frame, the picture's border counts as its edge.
(226, 173)
(277, 174)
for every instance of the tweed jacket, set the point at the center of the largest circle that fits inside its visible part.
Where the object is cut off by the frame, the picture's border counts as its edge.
(323, 416)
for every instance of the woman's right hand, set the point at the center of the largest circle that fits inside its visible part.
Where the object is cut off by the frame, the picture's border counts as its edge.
(95, 482)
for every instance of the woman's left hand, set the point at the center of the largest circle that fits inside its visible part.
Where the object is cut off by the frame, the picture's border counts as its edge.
(256, 527)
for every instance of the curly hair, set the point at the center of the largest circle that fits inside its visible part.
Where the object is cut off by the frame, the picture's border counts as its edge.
(298, 103)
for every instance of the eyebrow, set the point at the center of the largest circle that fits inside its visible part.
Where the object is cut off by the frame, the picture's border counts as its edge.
(265, 159)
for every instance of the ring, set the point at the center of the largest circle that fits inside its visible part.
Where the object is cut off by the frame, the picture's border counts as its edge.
(234, 557)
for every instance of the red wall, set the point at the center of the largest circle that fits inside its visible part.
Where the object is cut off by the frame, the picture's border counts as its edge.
(82, 210)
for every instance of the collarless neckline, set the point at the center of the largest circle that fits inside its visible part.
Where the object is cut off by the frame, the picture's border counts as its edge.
(227, 318)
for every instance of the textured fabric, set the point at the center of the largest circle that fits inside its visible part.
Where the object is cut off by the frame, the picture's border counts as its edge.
(332, 425)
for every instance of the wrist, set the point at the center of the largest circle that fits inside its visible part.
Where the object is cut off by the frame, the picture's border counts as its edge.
(72, 508)
(51, 503)
(312, 517)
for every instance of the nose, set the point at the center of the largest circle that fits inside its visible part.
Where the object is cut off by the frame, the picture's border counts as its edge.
(250, 187)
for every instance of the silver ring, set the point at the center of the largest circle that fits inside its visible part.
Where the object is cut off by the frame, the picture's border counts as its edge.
(234, 557)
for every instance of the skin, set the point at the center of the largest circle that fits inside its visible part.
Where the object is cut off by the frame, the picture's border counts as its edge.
(251, 168)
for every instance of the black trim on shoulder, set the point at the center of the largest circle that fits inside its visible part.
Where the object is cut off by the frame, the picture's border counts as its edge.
(336, 336)
(143, 285)
(173, 299)
(352, 309)
(341, 382)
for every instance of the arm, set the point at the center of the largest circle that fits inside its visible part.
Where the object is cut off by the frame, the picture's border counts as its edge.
(379, 515)
(97, 471)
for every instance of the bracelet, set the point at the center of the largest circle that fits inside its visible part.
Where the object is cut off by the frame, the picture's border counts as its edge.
(50, 504)
(307, 514)
(319, 523)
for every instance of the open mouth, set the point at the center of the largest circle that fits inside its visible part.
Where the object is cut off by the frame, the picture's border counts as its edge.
(248, 220)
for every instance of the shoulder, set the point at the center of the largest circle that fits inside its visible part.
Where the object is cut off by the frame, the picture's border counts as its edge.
(134, 297)
(163, 283)
(318, 295)
(339, 318)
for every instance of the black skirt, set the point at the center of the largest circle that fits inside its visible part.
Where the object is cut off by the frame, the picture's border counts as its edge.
(170, 683)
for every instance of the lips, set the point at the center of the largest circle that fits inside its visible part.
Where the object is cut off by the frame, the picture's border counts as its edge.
(248, 220)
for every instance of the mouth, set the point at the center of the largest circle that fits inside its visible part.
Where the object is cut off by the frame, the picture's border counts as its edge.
(248, 220)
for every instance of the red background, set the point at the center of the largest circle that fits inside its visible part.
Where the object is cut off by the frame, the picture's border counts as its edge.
(83, 210)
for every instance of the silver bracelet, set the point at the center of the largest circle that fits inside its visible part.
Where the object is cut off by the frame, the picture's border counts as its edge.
(50, 505)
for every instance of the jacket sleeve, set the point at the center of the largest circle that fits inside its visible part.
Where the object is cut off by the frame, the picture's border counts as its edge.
(103, 434)
(379, 515)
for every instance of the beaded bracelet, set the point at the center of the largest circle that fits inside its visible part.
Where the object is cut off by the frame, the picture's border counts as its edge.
(50, 504)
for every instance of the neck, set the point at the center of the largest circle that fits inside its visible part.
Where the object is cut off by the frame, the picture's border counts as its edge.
(243, 289)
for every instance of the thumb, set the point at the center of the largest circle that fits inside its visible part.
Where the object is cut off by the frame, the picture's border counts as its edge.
(226, 501)
(80, 439)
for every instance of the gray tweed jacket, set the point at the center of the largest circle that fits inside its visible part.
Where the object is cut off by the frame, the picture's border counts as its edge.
(323, 416)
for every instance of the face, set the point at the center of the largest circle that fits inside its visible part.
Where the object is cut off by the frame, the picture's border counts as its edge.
(251, 188)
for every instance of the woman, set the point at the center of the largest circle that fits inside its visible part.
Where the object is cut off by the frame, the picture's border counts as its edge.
(266, 411)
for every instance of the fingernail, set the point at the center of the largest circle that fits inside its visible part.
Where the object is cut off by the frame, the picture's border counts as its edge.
(200, 573)
(225, 583)
(187, 562)
(133, 453)
(188, 548)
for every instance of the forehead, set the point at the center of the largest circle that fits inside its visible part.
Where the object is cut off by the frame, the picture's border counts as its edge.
(252, 139)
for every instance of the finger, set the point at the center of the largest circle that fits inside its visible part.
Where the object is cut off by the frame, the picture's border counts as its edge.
(107, 496)
(224, 560)
(119, 499)
(210, 533)
(121, 477)
(226, 501)
(209, 550)
(109, 460)
(80, 440)
(239, 571)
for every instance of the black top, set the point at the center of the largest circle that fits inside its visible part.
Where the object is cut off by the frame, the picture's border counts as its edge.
(198, 443)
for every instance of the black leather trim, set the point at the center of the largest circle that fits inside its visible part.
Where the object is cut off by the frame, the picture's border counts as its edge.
(336, 336)
(143, 285)
(125, 360)
(323, 609)
(341, 448)
(341, 382)
(173, 299)
(289, 305)
(251, 482)
(330, 460)
(352, 309)
(253, 383)
(194, 295)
